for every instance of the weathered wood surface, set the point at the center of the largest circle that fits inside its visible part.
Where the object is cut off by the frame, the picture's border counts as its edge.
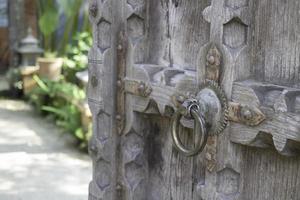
(167, 47)
(269, 175)
(281, 106)
(101, 99)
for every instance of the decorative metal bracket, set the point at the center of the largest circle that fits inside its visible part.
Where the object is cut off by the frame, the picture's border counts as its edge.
(121, 72)
(138, 88)
(245, 114)
(213, 61)
(240, 113)
(153, 89)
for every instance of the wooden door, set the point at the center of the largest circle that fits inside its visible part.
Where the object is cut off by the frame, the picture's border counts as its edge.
(149, 56)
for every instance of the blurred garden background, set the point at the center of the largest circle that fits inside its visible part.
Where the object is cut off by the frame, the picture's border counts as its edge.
(45, 122)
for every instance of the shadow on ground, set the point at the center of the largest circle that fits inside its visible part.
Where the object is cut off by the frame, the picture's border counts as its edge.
(37, 160)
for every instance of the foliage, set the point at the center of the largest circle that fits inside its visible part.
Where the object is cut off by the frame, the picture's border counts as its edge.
(59, 21)
(59, 99)
(49, 19)
(76, 55)
(13, 75)
(51, 13)
(49, 54)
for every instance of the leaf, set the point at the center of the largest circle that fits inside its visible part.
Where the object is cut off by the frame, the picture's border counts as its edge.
(69, 7)
(48, 22)
(79, 133)
(41, 84)
(56, 111)
(69, 63)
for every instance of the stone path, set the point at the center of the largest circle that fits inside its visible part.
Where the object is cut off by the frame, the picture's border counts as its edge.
(37, 161)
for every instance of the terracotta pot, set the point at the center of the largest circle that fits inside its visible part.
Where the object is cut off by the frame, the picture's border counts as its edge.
(50, 68)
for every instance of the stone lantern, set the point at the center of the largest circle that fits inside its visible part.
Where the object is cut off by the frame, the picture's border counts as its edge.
(29, 50)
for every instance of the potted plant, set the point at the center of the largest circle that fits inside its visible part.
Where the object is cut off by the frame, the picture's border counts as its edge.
(55, 42)
(50, 66)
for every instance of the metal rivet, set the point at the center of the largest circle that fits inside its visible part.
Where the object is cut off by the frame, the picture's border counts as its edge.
(120, 47)
(246, 114)
(93, 148)
(180, 99)
(208, 156)
(118, 117)
(141, 87)
(211, 60)
(119, 83)
(94, 81)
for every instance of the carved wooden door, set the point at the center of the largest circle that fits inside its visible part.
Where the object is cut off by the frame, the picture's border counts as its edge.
(168, 77)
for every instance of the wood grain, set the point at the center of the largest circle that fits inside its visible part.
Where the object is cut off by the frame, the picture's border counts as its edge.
(168, 45)
(101, 99)
(282, 125)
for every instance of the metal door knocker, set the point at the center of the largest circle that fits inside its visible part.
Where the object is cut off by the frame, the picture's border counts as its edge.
(190, 109)
(209, 110)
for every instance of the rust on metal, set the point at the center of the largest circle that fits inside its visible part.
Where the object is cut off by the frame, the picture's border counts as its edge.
(121, 73)
(210, 153)
(212, 73)
(213, 61)
(245, 114)
(178, 99)
(138, 88)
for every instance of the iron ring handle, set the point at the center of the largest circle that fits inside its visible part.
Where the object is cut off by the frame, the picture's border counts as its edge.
(199, 128)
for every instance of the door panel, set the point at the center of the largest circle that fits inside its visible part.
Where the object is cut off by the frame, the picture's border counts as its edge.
(275, 41)
(268, 175)
(147, 54)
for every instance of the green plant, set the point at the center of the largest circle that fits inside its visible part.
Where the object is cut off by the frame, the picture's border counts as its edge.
(50, 13)
(67, 116)
(76, 55)
(61, 100)
(49, 54)
(48, 21)
(13, 76)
